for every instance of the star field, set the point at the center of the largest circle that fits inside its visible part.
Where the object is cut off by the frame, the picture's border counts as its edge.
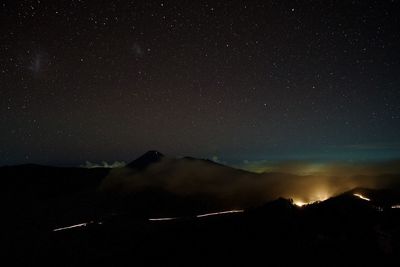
(240, 80)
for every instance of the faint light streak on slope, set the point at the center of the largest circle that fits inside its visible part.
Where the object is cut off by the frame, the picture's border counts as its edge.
(70, 227)
(362, 197)
(219, 213)
(163, 219)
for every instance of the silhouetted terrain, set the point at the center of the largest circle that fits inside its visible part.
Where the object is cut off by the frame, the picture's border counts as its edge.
(67, 217)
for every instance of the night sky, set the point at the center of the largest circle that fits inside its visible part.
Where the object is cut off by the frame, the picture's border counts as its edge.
(237, 80)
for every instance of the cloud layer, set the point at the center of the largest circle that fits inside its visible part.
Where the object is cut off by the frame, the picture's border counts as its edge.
(103, 164)
(303, 181)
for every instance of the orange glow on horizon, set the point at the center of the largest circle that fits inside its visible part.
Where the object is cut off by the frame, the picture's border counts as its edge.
(299, 203)
(318, 196)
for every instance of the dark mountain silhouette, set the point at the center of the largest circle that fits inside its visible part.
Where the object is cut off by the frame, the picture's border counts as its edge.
(339, 231)
(146, 159)
(204, 160)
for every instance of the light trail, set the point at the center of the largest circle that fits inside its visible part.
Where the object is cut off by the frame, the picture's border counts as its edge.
(362, 197)
(218, 213)
(163, 219)
(395, 207)
(71, 227)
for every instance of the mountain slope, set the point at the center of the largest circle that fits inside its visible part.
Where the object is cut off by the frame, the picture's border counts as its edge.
(145, 160)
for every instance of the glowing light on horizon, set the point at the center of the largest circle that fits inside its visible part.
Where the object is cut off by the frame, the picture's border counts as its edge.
(396, 206)
(318, 196)
(219, 213)
(362, 197)
(300, 203)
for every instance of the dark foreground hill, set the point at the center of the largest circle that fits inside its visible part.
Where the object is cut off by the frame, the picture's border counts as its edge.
(61, 217)
(340, 231)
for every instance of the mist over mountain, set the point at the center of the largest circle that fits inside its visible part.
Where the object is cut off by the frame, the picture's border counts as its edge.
(236, 187)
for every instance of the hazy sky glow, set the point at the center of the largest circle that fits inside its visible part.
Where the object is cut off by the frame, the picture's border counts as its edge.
(240, 80)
